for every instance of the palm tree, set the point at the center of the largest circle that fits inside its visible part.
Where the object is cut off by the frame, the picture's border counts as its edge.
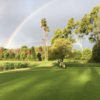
(45, 27)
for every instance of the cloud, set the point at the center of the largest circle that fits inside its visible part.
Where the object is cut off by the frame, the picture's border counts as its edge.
(13, 12)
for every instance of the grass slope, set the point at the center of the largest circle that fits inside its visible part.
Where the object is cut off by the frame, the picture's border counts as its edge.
(74, 83)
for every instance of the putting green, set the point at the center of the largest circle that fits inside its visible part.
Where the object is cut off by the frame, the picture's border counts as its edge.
(75, 83)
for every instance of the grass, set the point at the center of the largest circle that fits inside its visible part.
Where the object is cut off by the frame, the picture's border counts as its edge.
(77, 82)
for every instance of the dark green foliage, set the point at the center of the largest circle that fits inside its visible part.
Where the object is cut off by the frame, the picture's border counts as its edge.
(6, 54)
(21, 65)
(13, 65)
(39, 57)
(33, 53)
(9, 66)
(96, 52)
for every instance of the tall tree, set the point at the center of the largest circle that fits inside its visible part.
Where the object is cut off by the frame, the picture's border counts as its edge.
(66, 32)
(58, 34)
(45, 27)
(32, 52)
(90, 25)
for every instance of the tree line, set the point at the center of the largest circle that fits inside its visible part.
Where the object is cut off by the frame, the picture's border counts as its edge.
(23, 53)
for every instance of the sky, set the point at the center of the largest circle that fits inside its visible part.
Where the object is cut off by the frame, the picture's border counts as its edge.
(20, 19)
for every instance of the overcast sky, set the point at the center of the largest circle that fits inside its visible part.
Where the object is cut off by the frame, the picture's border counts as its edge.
(22, 18)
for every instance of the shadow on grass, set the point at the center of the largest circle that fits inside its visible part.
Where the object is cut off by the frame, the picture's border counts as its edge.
(52, 85)
(72, 64)
(90, 91)
(45, 85)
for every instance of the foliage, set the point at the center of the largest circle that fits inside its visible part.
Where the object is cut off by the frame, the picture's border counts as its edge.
(44, 25)
(90, 25)
(23, 53)
(12, 65)
(86, 54)
(66, 32)
(61, 47)
(77, 54)
(96, 52)
(58, 34)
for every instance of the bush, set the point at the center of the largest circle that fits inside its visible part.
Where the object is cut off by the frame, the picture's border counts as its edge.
(10, 66)
(1, 68)
(22, 65)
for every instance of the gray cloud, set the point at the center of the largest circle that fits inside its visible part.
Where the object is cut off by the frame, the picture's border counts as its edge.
(13, 12)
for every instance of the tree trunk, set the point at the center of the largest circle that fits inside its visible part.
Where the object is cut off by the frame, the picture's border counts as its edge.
(46, 45)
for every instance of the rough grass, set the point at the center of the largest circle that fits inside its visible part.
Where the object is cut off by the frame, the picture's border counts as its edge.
(73, 83)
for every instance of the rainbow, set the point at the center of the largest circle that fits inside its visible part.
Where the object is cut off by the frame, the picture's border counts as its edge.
(26, 20)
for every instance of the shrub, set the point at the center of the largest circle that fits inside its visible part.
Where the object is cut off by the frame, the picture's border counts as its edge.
(20, 65)
(1, 68)
(10, 66)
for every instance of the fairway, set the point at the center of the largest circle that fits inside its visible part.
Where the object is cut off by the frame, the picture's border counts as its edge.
(49, 50)
(73, 83)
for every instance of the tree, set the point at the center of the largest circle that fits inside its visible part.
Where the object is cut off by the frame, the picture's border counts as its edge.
(24, 47)
(77, 54)
(58, 34)
(90, 26)
(45, 27)
(39, 56)
(1, 53)
(66, 32)
(87, 54)
(11, 55)
(6, 54)
(32, 53)
(96, 52)
(17, 56)
(61, 40)
(61, 47)
(95, 21)
(23, 52)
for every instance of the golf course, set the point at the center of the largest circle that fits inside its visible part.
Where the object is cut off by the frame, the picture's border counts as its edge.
(49, 49)
(52, 83)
